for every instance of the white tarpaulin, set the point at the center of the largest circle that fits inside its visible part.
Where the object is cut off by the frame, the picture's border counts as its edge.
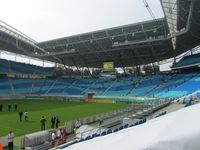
(87, 130)
(179, 130)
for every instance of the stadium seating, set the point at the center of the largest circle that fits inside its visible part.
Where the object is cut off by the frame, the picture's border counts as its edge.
(187, 87)
(180, 85)
(22, 86)
(4, 66)
(147, 84)
(100, 86)
(121, 86)
(188, 61)
(40, 86)
(22, 68)
(159, 86)
(5, 87)
(59, 86)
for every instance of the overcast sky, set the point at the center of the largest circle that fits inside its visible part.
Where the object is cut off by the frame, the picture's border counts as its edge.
(48, 19)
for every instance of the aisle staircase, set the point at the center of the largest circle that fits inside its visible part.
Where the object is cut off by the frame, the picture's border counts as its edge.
(134, 87)
(95, 81)
(52, 85)
(109, 87)
(68, 87)
(12, 87)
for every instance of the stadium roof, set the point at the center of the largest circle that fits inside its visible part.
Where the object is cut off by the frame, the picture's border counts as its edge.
(125, 45)
(129, 45)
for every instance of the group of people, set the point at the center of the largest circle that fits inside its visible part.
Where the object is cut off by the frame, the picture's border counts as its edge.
(21, 113)
(58, 137)
(54, 122)
(9, 107)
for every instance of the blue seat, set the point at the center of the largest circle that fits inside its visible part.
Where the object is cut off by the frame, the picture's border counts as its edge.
(88, 138)
(81, 140)
(115, 130)
(109, 131)
(131, 125)
(94, 135)
(144, 120)
(103, 133)
(141, 121)
(136, 123)
(121, 127)
(126, 126)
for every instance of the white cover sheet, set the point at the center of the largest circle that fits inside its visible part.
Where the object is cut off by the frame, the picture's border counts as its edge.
(179, 130)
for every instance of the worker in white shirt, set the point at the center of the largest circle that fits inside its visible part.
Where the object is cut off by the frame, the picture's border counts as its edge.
(26, 116)
(10, 138)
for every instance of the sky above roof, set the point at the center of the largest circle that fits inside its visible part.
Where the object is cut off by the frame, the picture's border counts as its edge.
(49, 19)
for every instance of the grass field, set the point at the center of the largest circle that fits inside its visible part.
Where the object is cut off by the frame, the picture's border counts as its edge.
(65, 110)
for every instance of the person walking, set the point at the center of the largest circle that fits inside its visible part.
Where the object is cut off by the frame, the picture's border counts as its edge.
(57, 121)
(42, 122)
(20, 115)
(10, 139)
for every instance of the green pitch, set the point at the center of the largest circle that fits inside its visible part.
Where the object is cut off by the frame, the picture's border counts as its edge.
(36, 109)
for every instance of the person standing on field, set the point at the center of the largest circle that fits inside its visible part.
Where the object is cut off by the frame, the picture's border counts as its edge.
(57, 121)
(1, 107)
(26, 116)
(16, 106)
(42, 122)
(9, 107)
(53, 120)
(20, 115)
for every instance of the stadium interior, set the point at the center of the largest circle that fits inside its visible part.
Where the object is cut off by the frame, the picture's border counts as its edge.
(139, 49)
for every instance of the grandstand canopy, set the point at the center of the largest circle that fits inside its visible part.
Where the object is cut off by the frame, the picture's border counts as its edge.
(128, 45)
(125, 45)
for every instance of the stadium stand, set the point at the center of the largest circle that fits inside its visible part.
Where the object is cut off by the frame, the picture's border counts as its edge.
(40, 86)
(188, 61)
(22, 68)
(5, 87)
(62, 86)
(147, 84)
(158, 86)
(100, 86)
(171, 88)
(4, 66)
(121, 86)
(21, 86)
